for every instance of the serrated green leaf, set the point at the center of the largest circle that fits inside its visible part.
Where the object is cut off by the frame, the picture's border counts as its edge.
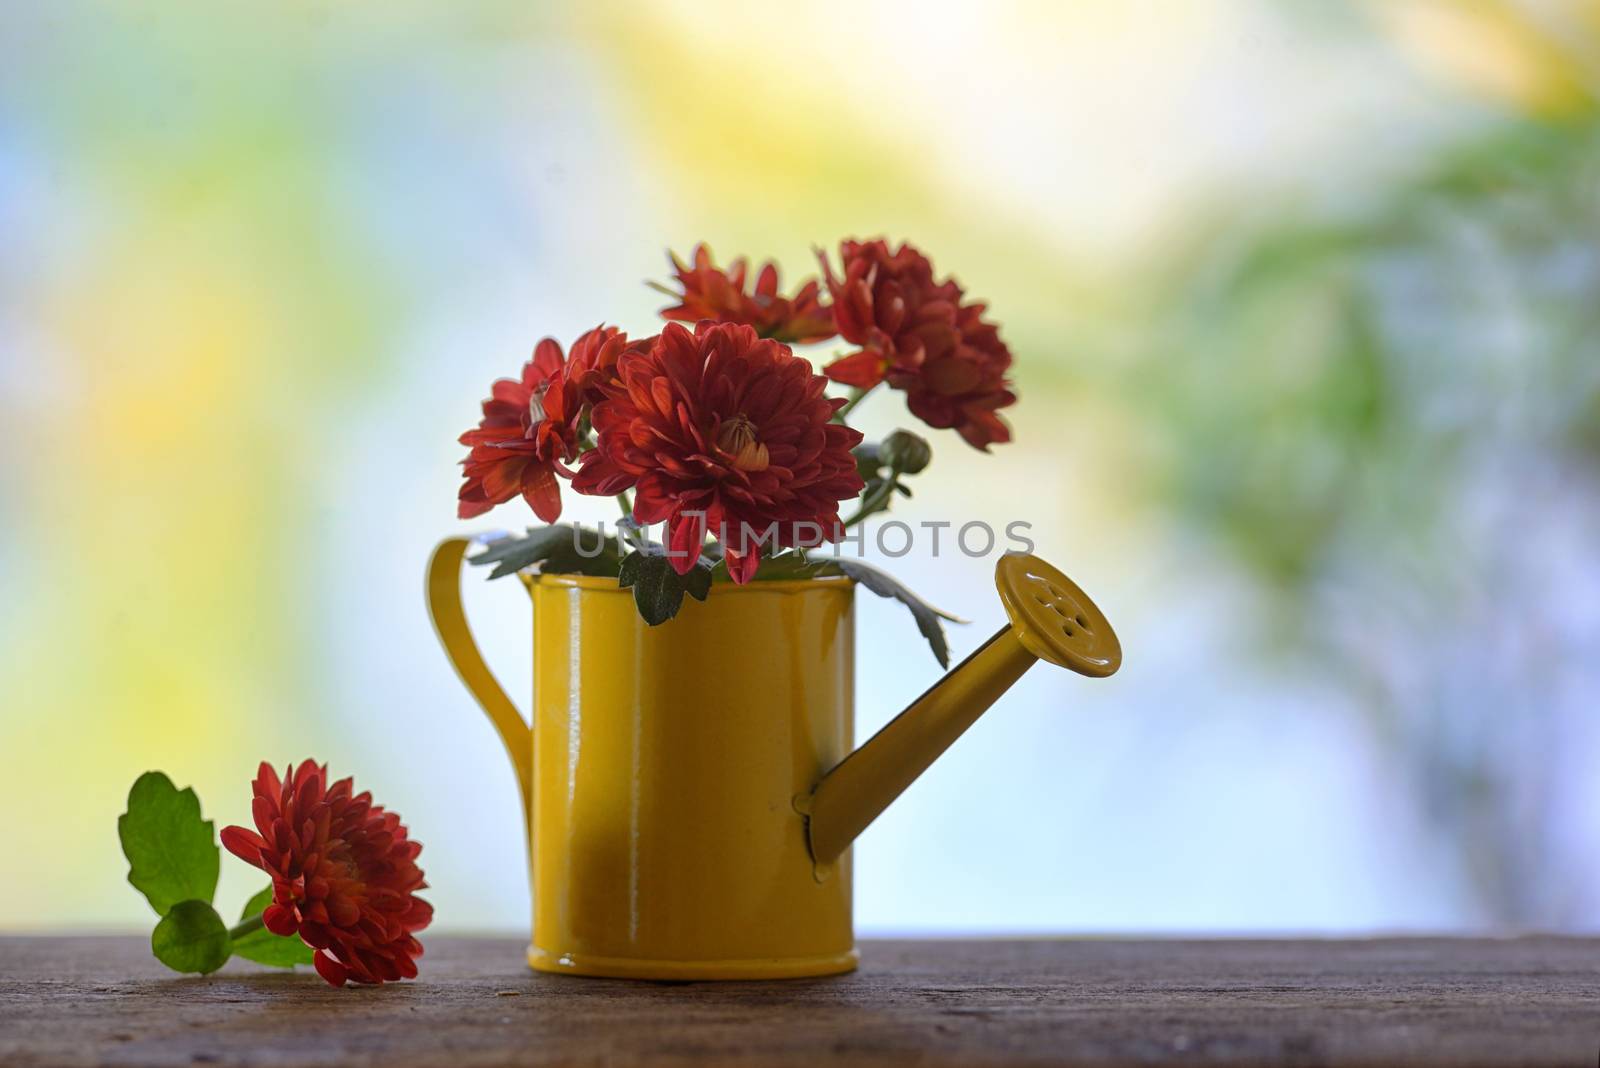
(628, 570)
(191, 937)
(172, 853)
(886, 585)
(599, 556)
(264, 947)
(698, 581)
(554, 549)
(515, 552)
(657, 589)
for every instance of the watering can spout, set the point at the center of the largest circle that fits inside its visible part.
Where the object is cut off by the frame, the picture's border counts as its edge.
(1051, 619)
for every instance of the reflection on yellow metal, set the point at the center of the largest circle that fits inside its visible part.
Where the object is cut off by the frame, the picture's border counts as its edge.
(683, 819)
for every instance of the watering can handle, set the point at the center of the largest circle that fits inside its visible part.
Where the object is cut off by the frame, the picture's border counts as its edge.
(450, 621)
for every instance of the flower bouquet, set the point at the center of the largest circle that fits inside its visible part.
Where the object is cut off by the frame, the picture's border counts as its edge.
(716, 430)
(689, 813)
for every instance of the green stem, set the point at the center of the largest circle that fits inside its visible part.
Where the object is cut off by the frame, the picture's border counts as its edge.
(876, 501)
(625, 502)
(856, 397)
(250, 926)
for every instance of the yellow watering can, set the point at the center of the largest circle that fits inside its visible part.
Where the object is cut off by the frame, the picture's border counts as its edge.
(689, 790)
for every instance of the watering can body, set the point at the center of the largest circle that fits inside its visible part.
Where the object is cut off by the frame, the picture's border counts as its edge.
(683, 822)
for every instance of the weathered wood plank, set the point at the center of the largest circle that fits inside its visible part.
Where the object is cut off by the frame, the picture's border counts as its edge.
(84, 1001)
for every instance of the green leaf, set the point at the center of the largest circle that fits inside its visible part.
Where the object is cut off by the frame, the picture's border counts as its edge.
(600, 555)
(172, 853)
(264, 947)
(698, 581)
(191, 937)
(657, 589)
(886, 585)
(512, 553)
(257, 903)
(554, 549)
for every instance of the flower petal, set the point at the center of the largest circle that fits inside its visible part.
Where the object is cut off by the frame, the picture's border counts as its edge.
(279, 920)
(244, 844)
(541, 491)
(330, 969)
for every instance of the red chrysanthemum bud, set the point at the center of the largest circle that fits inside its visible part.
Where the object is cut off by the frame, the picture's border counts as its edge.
(720, 430)
(915, 333)
(718, 295)
(344, 874)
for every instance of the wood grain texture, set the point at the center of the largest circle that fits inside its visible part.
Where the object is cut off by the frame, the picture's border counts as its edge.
(1534, 1001)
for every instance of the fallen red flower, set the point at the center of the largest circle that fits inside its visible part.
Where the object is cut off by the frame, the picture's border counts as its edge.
(712, 293)
(528, 431)
(720, 430)
(915, 333)
(344, 874)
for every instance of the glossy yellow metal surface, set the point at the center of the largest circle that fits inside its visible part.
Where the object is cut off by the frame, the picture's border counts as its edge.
(665, 762)
(683, 818)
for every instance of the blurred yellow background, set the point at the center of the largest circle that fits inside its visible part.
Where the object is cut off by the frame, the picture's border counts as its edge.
(1305, 302)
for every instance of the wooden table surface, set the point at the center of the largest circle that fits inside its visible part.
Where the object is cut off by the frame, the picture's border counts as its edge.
(103, 1000)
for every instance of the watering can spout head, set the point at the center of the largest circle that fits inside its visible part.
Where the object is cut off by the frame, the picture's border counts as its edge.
(1051, 619)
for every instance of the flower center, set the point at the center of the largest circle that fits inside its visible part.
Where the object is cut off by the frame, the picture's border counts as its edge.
(736, 438)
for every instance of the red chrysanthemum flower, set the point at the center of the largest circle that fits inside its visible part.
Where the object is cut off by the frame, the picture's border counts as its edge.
(725, 431)
(527, 433)
(916, 333)
(344, 874)
(593, 363)
(711, 293)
